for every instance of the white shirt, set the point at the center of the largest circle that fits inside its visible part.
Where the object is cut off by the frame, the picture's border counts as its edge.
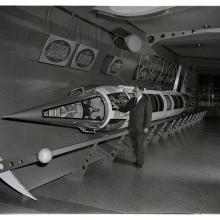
(139, 98)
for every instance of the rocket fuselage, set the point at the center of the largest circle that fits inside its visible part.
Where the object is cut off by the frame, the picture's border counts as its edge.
(96, 109)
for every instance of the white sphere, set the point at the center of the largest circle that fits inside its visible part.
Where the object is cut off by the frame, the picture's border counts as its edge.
(45, 155)
(133, 42)
(1, 165)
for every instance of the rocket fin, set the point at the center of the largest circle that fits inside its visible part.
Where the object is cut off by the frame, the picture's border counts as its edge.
(12, 181)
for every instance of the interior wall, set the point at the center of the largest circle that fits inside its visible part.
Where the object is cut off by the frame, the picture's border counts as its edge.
(22, 37)
(25, 82)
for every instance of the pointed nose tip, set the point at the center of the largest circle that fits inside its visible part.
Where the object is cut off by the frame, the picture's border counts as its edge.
(6, 117)
(26, 115)
(10, 117)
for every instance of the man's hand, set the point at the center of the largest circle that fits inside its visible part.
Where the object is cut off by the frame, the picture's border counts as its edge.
(145, 130)
(126, 92)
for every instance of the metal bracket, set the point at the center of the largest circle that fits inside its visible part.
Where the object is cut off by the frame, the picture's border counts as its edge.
(76, 89)
(160, 132)
(149, 135)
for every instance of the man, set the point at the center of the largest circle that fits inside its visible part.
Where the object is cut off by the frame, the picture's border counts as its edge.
(140, 116)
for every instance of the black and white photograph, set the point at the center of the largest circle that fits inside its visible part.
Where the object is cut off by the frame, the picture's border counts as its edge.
(109, 109)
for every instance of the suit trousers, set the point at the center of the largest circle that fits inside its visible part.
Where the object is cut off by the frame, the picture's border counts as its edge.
(137, 139)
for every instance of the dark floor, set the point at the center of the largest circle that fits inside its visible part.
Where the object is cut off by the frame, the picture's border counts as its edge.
(181, 175)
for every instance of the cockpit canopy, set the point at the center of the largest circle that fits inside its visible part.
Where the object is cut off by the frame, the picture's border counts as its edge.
(90, 109)
(118, 99)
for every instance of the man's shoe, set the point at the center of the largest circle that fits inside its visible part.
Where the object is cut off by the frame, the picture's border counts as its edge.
(137, 165)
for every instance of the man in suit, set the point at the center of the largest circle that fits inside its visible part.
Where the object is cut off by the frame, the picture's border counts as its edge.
(140, 116)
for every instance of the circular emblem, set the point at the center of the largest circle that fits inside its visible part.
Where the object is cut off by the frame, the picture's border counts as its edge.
(85, 58)
(142, 75)
(57, 51)
(116, 66)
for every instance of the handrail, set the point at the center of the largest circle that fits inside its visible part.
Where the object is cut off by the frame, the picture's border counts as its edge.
(15, 163)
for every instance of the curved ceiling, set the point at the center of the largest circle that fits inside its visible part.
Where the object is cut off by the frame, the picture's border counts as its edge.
(180, 18)
(133, 12)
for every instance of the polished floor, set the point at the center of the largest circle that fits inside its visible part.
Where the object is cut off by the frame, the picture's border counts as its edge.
(181, 174)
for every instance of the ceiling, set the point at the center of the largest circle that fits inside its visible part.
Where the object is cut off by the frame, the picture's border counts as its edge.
(204, 48)
(199, 50)
(181, 18)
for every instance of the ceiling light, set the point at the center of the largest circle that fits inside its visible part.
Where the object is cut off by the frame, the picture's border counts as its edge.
(135, 10)
(129, 12)
(133, 42)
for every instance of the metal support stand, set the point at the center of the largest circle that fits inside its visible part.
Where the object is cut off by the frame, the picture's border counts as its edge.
(169, 128)
(160, 132)
(98, 153)
(187, 121)
(117, 148)
(183, 122)
(176, 125)
(192, 119)
(149, 135)
(90, 158)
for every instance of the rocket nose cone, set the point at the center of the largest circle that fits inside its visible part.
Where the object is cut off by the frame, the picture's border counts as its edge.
(6, 117)
(12, 117)
(26, 115)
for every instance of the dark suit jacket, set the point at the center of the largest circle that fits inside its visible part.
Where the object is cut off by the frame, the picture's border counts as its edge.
(140, 113)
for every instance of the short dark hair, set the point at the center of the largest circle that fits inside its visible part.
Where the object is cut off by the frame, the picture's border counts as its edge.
(140, 88)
